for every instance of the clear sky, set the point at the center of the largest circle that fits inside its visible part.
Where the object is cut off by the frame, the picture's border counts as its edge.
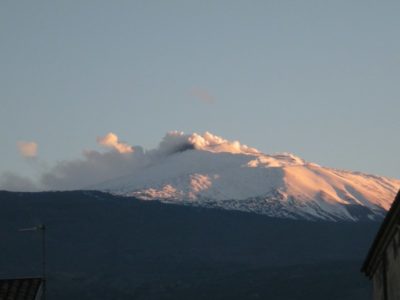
(320, 79)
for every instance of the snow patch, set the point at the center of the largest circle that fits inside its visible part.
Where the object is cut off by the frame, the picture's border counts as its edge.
(207, 170)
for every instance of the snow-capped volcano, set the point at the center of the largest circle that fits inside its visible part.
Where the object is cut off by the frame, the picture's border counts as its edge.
(207, 170)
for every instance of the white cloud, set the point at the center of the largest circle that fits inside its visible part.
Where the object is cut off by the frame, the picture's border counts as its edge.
(95, 167)
(27, 149)
(111, 140)
(13, 182)
(203, 96)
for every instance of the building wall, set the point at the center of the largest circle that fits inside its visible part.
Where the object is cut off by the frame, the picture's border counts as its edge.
(393, 267)
(388, 272)
(378, 283)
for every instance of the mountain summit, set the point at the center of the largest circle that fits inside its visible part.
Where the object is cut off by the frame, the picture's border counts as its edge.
(207, 170)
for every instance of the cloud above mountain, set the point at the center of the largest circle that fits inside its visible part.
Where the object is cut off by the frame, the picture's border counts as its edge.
(27, 149)
(119, 160)
(93, 168)
(203, 95)
(14, 182)
(110, 140)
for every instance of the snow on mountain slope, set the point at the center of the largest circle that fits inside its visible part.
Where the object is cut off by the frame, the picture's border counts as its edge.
(207, 170)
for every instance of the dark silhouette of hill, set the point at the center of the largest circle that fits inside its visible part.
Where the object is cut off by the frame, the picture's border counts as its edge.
(107, 247)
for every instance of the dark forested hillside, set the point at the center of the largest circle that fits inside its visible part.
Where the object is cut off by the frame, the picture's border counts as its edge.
(101, 246)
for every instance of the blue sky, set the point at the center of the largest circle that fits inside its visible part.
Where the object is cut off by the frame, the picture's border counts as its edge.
(316, 78)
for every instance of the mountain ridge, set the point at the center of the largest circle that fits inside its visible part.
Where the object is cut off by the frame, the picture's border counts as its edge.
(207, 170)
